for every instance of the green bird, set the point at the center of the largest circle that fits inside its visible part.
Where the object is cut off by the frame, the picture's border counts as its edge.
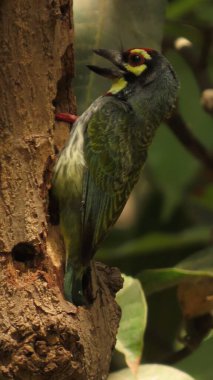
(101, 162)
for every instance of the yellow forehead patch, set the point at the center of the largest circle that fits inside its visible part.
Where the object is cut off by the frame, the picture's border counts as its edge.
(118, 85)
(142, 52)
(137, 70)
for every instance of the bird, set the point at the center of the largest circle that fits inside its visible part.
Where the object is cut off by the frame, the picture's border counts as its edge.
(103, 157)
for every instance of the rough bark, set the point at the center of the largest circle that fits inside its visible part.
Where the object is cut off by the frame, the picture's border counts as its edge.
(41, 334)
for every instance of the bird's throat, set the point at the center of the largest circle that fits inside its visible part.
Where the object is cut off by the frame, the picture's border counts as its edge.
(117, 86)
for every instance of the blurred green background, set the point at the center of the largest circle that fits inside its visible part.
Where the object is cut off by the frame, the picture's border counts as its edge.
(169, 216)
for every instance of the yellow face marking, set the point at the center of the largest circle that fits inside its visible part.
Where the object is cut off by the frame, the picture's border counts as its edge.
(137, 70)
(118, 85)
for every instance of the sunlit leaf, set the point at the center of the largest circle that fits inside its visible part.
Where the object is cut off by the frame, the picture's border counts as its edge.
(151, 372)
(133, 322)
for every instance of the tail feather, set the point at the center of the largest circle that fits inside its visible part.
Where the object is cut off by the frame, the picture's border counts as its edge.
(73, 286)
(75, 267)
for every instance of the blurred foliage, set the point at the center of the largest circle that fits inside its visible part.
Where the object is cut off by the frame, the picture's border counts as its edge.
(165, 234)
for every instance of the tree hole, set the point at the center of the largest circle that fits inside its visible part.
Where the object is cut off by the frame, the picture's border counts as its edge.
(23, 252)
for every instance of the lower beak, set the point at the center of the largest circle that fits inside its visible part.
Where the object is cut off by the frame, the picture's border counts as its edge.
(114, 57)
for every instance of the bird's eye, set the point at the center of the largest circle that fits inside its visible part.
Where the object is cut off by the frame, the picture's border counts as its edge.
(135, 59)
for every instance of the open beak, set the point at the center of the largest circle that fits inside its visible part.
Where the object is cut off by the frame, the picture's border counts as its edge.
(114, 57)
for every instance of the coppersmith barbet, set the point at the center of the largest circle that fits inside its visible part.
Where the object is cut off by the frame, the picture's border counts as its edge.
(101, 162)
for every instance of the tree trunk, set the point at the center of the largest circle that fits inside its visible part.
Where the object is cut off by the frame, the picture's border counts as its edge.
(41, 334)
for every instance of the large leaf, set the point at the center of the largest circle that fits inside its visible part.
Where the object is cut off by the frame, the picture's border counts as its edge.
(199, 264)
(108, 24)
(133, 321)
(151, 372)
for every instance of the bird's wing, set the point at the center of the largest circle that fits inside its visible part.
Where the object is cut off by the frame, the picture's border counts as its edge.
(111, 173)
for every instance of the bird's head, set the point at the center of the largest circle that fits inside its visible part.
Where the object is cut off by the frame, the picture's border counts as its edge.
(137, 71)
(129, 64)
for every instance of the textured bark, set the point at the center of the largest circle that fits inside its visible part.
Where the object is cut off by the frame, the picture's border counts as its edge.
(41, 334)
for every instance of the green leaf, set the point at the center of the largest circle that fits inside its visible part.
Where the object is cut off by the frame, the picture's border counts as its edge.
(200, 261)
(130, 335)
(199, 264)
(151, 372)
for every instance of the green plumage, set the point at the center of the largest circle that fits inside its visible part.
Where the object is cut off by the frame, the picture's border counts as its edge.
(97, 170)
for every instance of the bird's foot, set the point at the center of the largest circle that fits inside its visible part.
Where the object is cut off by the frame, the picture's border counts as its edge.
(66, 117)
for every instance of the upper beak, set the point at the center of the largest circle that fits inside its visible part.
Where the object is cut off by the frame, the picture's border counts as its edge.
(113, 56)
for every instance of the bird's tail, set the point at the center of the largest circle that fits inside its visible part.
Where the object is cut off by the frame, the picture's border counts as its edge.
(74, 285)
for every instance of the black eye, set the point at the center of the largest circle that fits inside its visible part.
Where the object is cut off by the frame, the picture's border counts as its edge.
(135, 59)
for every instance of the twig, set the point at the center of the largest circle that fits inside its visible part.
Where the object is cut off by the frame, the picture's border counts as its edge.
(197, 329)
(177, 356)
(206, 47)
